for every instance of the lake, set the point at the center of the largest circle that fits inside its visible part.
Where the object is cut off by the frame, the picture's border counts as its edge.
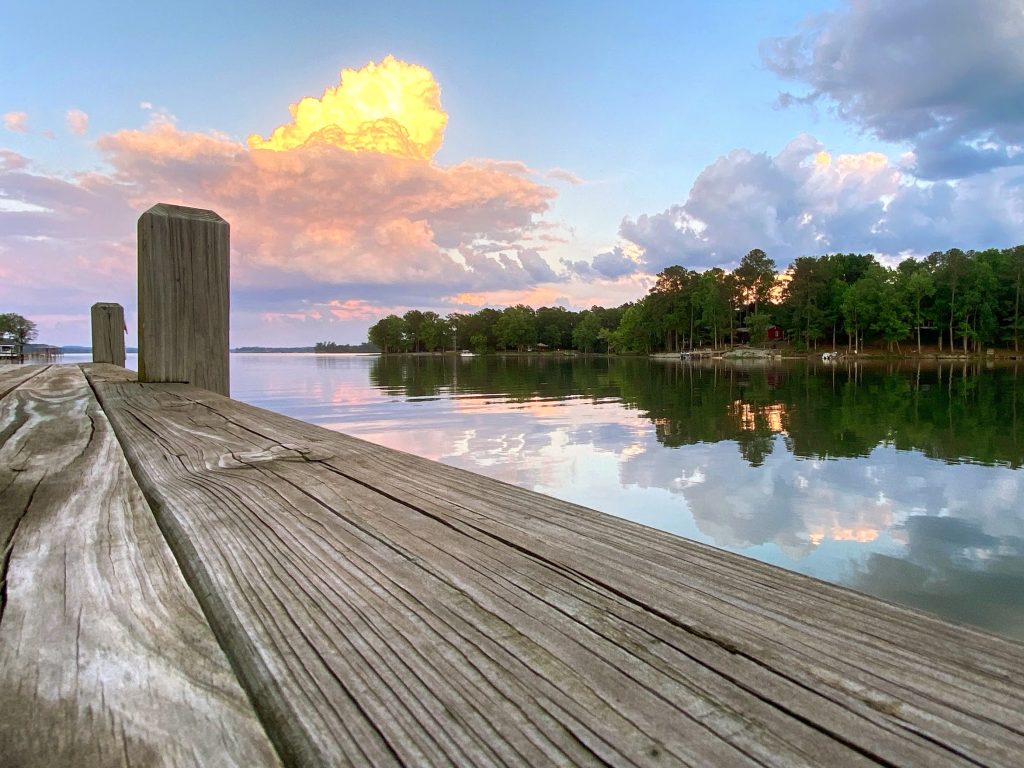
(902, 481)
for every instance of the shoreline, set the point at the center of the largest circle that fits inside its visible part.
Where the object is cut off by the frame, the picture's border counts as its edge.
(776, 354)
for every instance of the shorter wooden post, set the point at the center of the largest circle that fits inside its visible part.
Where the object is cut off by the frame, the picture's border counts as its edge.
(108, 333)
(183, 297)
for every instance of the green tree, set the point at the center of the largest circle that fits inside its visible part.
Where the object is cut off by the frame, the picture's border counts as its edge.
(950, 269)
(554, 326)
(413, 329)
(636, 332)
(479, 343)
(673, 306)
(1015, 270)
(805, 297)
(978, 306)
(517, 327)
(841, 271)
(713, 302)
(388, 333)
(860, 308)
(759, 324)
(434, 332)
(587, 332)
(756, 273)
(890, 314)
(734, 296)
(20, 329)
(480, 325)
(917, 285)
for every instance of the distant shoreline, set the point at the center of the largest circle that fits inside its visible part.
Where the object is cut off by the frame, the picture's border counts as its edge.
(998, 355)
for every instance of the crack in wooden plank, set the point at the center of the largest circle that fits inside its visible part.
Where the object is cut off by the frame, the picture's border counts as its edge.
(9, 548)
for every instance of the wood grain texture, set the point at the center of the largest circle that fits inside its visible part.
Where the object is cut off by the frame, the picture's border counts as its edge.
(183, 296)
(11, 376)
(385, 609)
(105, 656)
(108, 331)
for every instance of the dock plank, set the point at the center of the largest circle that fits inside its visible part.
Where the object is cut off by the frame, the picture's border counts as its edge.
(11, 376)
(382, 608)
(105, 656)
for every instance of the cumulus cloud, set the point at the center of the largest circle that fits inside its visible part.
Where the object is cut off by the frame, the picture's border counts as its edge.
(609, 264)
(310, 213)
(804, 201)
(16, 122)
(328, 214)
(77, 121)
(393, 107)
(944, 75)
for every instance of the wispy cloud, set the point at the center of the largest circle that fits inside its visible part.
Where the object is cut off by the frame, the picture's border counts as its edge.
(16, 122)
(77, 121)
(561, 174)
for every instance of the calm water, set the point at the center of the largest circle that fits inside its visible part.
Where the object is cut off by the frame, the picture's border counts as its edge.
(901, 482)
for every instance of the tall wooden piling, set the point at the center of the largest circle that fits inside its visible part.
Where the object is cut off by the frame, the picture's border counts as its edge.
(183, 297)
(108, 330)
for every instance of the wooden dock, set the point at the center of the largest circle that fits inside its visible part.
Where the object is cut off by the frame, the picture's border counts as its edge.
(191, 581)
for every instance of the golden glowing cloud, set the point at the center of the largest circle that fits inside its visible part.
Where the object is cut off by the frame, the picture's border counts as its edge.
(392, 108)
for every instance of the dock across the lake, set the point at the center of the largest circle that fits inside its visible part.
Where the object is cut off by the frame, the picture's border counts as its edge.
(189, 580)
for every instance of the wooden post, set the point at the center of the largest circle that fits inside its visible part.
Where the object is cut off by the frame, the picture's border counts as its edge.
(183, 297)
(108, 333)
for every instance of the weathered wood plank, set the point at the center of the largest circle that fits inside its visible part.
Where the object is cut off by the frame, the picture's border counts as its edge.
(401, 611)
(105, 656)
(11, 376)
(184, 262)
(108, 331)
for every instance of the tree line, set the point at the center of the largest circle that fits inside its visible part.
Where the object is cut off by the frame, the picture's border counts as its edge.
(952, 300)
(330, 347)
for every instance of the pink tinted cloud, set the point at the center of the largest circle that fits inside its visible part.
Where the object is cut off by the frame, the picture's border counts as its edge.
(336, 310)
(576, 294)
(304, 220)
(358, 309)
(561, 174)
(328, 214)
(16, 122)
(77, 121)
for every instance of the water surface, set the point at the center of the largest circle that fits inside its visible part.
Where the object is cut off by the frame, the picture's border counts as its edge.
(901, 481)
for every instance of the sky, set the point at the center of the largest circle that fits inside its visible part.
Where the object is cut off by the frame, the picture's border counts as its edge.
(375, 158)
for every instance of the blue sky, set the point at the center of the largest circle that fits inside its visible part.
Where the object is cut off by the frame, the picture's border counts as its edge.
(630, 138)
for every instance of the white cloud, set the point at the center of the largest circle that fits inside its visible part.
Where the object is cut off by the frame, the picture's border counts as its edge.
(804, 201)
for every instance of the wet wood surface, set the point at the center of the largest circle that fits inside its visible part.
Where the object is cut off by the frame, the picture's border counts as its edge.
(106, 658)
(387, 610)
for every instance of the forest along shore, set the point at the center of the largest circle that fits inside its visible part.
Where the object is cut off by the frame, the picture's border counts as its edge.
(956, 303)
